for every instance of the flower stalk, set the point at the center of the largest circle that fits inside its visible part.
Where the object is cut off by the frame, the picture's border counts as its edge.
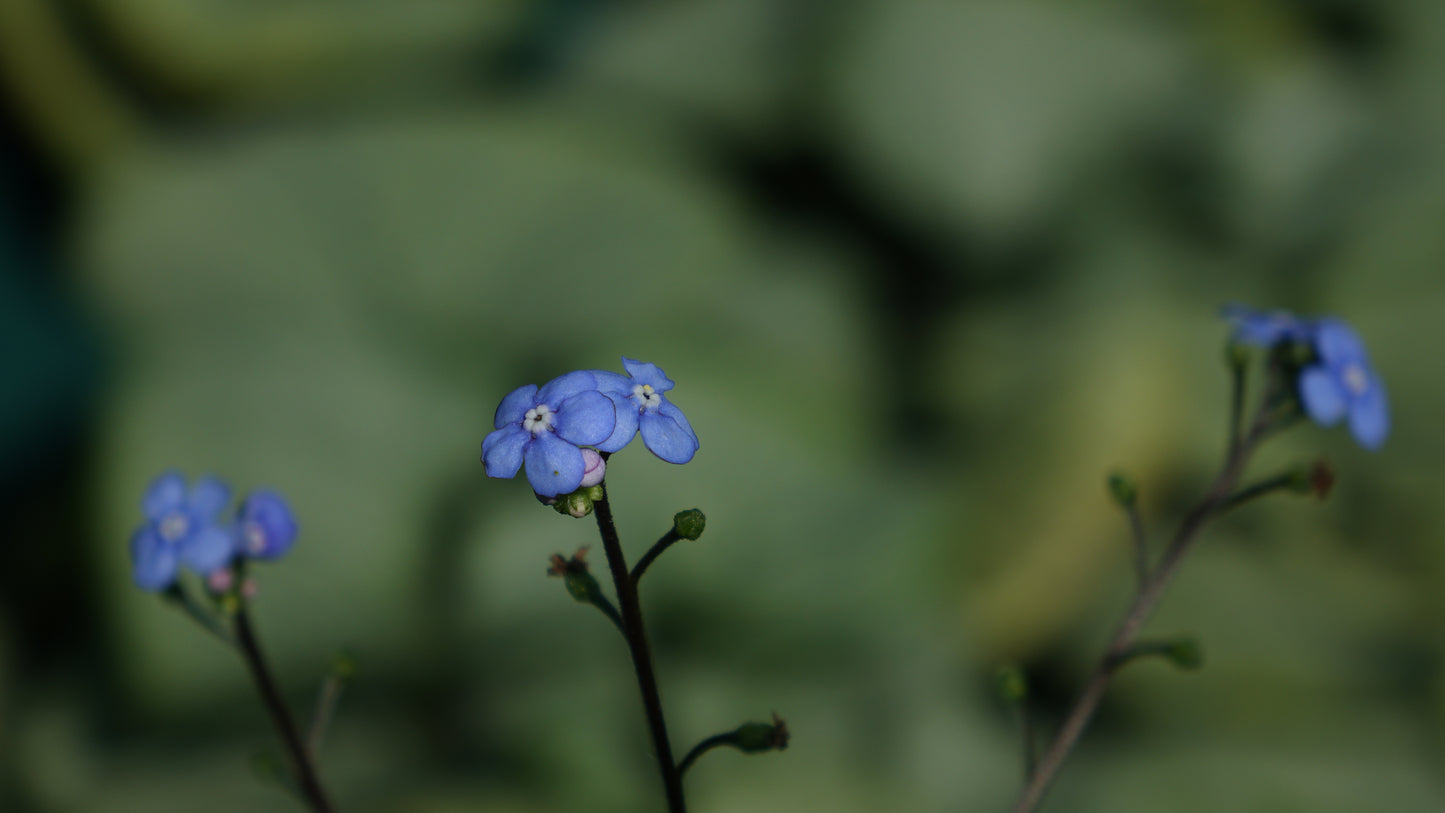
(302, 765)
(1214, 502)
(637, 646)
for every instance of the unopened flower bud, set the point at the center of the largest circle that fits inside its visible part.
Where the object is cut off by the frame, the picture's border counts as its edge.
(577, 504)
(689, 524)
(1121, 488)
(344, 666)
(1184, 653)
(753, 738)
(594, 468)
(578, 580)
(1317, 478)
(220, 580)
(1011, 683)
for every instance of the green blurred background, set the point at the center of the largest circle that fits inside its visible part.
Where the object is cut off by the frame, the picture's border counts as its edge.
(924, 273)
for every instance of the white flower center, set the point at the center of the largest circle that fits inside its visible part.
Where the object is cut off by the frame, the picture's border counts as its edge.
(646, 397)
(1355, 380)
(255, 537)
(539, 419)
(174, 526)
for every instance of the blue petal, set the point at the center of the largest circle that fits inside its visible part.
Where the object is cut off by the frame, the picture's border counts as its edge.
(1370, 417)
(502, 451)
(1338, 344)
(153, 562)
(165, 494)
(643, 372)
(268, 513)
(626, 428)
(666, 438)
(559, 389)
(1323, 397)
(586, 418)
(514, 407)
(671, 410)
(209, 548)
(208, 496)
(554, 466)
(611, 383)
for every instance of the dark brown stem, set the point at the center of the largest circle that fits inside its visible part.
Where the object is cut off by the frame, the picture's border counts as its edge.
(302, 767)
(715, 741)
(636, 636)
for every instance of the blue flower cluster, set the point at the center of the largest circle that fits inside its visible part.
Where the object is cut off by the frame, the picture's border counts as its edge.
(545, 427)
(183, 526)
(1338, 382)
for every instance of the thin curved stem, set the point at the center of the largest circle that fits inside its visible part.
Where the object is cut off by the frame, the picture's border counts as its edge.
(636, 636)
(1213, 502)
(601, 603)
(715, 741)
(301, 759)
(652, 553)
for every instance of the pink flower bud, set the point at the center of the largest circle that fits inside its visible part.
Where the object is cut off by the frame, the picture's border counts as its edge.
(220, 580)
(594, 468)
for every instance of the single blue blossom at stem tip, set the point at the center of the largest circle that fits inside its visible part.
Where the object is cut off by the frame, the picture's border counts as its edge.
(643, 409)
(180, 528)
(543, 428)
(1342, 383)
(265, 526)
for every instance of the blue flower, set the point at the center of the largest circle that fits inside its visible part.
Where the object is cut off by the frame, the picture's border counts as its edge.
(265, 526)
(1342, 383)
(642, 407)
(544, 427)
(180, 529)
(1266, 328)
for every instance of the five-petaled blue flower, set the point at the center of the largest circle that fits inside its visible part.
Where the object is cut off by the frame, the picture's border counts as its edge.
(1337, 382)
(544, 427)
(1341, 382)
(1265, 328)
(265, 526)
(642, 407)
(180, 528)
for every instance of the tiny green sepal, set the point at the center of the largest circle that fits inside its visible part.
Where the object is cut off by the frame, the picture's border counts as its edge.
(1122, 489)
(689, 524)
(755, 738)
(1011, 683)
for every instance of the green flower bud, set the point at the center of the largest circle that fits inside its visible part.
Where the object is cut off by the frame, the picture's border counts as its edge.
(1011, 683)
(577, 504)
(1184, 653)
(344, 666)
(754, 738)
(579, 582)
(1121, 488)
(689, 524)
